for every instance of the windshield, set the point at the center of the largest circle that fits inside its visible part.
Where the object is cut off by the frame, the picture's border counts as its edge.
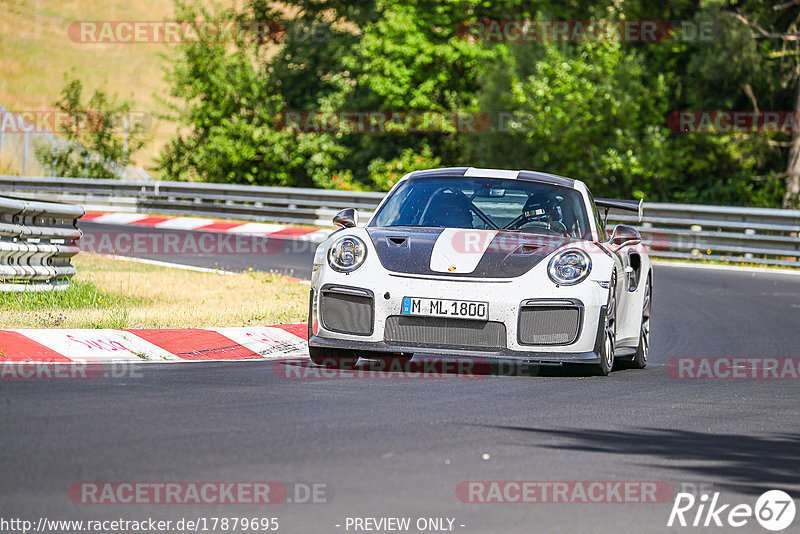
(485, 203)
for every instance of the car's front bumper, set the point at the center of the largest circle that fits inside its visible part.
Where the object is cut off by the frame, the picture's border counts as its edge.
(502, 354)
(505, 299)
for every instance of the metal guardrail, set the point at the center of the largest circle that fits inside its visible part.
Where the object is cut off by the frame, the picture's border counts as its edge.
(251, 203)
(750, 235)
(19, 140)
(37, 242)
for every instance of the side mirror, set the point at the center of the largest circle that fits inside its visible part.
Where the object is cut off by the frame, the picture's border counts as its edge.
(625, 235)
(346, 218)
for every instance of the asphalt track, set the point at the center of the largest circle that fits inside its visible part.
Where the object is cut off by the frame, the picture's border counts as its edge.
(286, 256)
(400, 447)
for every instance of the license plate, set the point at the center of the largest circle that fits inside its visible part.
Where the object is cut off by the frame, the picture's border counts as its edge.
(461, 309)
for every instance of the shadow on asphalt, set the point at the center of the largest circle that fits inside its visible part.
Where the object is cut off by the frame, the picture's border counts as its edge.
(746, 464)
(428, 367)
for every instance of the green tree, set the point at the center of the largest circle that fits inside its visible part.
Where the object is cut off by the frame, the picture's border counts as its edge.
(369, 56)
(98, 142)
(596, 111)
(734, 69)
(775, 27)
(586, 110)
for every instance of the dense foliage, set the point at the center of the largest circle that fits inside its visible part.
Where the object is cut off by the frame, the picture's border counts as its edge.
(100, 135)
(594, 110)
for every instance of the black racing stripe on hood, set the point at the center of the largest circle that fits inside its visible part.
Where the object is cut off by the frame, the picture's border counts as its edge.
(510, 254)
(413, 256)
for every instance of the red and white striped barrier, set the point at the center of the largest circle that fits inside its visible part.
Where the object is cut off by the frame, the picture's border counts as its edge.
(210, 225)
(153, 345)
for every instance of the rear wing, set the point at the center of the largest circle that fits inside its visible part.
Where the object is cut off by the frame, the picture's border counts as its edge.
(624, 205)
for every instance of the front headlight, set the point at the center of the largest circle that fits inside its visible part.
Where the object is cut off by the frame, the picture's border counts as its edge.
(569, 267)
(347, 254)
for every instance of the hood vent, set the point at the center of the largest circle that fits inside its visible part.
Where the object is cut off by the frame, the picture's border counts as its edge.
(398, 241)
(527, 248)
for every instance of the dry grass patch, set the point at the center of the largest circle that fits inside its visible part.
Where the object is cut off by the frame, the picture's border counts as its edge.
(36, 51)
(111, 293)
(6, 167)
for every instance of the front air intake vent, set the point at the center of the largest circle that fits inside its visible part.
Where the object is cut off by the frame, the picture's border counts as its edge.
(443, 332)
(549, 323)
(347, 310)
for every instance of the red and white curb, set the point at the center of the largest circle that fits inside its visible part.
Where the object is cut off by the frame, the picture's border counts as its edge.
(302, 233)
(153, 345)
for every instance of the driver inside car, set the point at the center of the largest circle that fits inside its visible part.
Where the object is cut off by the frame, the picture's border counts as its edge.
(544, 213)
(448, 209)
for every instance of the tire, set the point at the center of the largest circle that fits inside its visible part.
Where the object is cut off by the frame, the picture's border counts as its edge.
(639, 360)
(333, 358)
(609, 332)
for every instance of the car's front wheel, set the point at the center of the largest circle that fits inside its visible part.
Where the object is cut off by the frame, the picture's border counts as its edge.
(333, 358)
(639, 360)
(609, 332)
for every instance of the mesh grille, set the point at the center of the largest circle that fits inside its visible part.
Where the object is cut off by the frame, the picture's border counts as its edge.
(545, 325)
(349, 314)
(443, 332)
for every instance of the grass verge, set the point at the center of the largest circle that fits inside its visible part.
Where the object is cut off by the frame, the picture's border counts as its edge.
(704, 261)
(111, 293)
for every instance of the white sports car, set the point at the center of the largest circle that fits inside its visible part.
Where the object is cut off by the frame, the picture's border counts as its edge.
(483, 263)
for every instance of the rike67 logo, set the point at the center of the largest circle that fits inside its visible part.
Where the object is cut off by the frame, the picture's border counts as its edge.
(774, 510)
